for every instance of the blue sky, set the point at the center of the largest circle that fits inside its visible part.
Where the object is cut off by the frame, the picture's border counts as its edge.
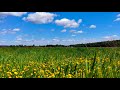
(42, 28)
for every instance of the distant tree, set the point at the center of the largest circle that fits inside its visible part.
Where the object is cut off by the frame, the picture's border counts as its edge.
(33, 45)
(20, 45)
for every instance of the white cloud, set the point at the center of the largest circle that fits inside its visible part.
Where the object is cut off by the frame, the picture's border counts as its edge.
(29, 40)
(118, 19)
(53, 41)
(18, 14)
(118, 15)
(16, 29)
(2, 41)
(19, 39)
(57, 40)
(76, 41)
(78, 32)
(112, 37)
(80, 21)
(92, 26)
(64, 30)
(115, 36)
(40, 17)
(107, 37)
(9, 31)
(66, 23)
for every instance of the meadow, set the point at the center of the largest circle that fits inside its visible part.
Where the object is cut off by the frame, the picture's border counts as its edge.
(59, 62)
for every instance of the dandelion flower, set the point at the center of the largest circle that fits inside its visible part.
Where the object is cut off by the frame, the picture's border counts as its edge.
(13, 70)
(15, 73)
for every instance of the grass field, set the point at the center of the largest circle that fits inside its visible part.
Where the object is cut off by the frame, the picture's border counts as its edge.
(59, 62)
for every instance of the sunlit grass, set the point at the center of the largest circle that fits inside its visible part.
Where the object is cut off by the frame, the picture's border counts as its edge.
(35, 62)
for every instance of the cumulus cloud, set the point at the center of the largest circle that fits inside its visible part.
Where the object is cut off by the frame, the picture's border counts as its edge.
(40, 17)
(117, 19)
(66, 23)
(64, 30)
(92, 26)
(17, 14)
(9, 31)
(118, 15)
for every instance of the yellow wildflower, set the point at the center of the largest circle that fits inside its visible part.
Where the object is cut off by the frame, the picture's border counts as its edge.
(118, 63)
(80, 58)
(31, 74)
(109, 67)
(9, 77)
(69, 76)
(15, 73)
(23, 71)
(58, 68)
(13, 70)
(34, 72)
(17, 77)
(9, 73)
(20, 76)
(34, 69)
(38, 76)
(77, 62)
(52, 75)
(43, 66)
(57, 72)
(0, 66)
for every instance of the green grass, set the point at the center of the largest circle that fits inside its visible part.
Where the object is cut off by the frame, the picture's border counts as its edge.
(59, 62)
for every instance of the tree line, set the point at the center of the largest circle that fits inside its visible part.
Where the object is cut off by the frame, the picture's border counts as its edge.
(114, 43)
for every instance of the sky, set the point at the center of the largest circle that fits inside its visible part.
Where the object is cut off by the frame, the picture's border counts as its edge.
(44, 28)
